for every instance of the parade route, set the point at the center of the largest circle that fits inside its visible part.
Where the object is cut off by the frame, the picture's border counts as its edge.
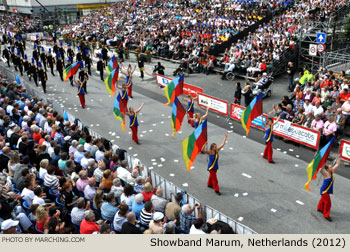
(265, 197)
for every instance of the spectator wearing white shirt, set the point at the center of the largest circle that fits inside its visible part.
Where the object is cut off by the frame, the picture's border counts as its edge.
(98, 173)
(84, 162)
(38, 196)
(88, 143)
(100, 153)
(73, 147)
(308, 107)
(43, 168)
(27, 192)
(197, 226)
(317, 109)
(77, 213)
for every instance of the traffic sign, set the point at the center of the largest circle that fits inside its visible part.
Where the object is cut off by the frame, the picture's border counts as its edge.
(321, 38)
(321, 48)
(313, 50)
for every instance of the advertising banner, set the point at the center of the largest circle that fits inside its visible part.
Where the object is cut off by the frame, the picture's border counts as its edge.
(214, 104)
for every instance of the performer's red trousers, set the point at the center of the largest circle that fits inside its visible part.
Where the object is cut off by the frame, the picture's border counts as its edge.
(213, 180)
(82, 100)
(190, 114)
(130, 91)
(324, 205)
(134, 134)
(268, 151)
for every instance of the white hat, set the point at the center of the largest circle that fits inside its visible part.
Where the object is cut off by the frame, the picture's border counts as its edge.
(25, 118)
(12, 124)
(7, 224)
(158, 216)
(66, 138)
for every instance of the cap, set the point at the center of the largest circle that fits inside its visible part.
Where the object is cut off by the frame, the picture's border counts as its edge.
(42, 49)
(25, 56)
(69, 58)
(49, 50)
(69, 43)
(78, 48)
(100, 56)
(7, 224)
(158, 216)
(39, 64)
(86, 51)
(67, 138)
(32, 60)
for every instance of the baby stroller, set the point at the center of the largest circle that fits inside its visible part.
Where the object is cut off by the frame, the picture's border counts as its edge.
(266, 88)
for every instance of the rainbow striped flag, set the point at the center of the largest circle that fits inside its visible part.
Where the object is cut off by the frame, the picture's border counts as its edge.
(316, 164)
(119, 111)
(192, 145)
(113, 64)
(253, 110)
(110, 81)
(174, 88)
(178, 114)
(71, 70)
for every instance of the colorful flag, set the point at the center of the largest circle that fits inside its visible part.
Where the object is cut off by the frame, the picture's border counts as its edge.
(119, 111)
(174, 88)
(113, 64)
(71, 70)
(253, 110)
(317, 163)
(178, 114)
(111, 80)
(192, 145)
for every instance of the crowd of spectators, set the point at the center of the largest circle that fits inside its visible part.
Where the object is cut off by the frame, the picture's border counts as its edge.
(173, 29)
(320, 102)
(261, 48)
(57, 179)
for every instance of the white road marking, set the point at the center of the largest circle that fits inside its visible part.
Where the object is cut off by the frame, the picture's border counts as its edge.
(140, 114)
(160, 165)
(240, 218)
(141, 121)
(297, 156)
(291, 150)
(145, 131)
(155, 163)
(230, 123)
(150, 130)
(162, 114)
(180, 132)
(154, 124)
(88, 108)
(185, 185)
(91, 125)
(244, 136)
(236, 195)
(246, 175)
(135, 155)
(296, 165)
(162, 159)
(261, 154)
(110, 132)
(113, 134)
(245, 194)
(176, 161)
(153, 159)
(192, 167)
(150, 168)
(162, 122)
(299, 202)
(129, 133)
(112, 140)
(230, 131)
(231, 148)
(97, 125)
(117, 137)
(278, 149)
(284, 152)
(231, 127)
(166, 134)
(217, 116)
(171, 174)
(130, 148)
(273, 210)
(141, 135)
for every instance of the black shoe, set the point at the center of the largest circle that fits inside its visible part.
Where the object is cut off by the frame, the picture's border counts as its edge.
(319, 211)
(329, 219)
(210, 186)
(218, 193)
(137, 143)
(272, 162)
